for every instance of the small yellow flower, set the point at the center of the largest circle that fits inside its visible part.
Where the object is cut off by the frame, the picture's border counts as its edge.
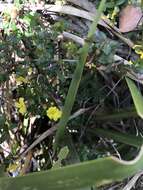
(138, 50)
(21, 106)
(20, 80)
(130, 62)
(60, 2)
(141, 55)
(54, 113)
(30, 71)
(13, 167)
(114, 13)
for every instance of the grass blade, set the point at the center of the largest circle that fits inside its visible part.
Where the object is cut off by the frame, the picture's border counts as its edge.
(76, 79)
(137, 97)
(118, 136)
(117, 115)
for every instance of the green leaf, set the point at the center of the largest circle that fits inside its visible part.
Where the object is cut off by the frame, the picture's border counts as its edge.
(13, 26)
(3, 77)
(97, 172)
(2, 170)
(118, 136)
(31, 19)
(63, 153)
(137, 96)
(119, 2)
(117, 115)
(61, 156)
(2, 121)
(109, 47)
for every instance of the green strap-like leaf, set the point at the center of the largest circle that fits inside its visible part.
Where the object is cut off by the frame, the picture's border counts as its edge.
(117, 115)
(97, 172)
(137, 97)
(76, 78)
(118, 136)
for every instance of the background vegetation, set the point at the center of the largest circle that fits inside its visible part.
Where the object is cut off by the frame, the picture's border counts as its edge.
(71, 106)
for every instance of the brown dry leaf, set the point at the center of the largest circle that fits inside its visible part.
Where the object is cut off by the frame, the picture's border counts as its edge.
(129, 18)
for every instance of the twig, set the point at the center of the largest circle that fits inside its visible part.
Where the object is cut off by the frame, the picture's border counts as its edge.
(85, 4)
(27, 164)
(101, 102)
(38, 140)
(73, 37)
(133, 181)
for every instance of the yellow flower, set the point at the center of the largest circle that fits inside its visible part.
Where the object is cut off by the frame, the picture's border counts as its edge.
(54, 113)
(21, 106)
(114, 13)
(138, 50)
(60, 2)
(141, 55)
(20, 80)
(30, 71)
(13, 167)
(130, 62)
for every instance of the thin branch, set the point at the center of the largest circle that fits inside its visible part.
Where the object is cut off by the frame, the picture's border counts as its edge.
(73, 37)
(38, 140)
(85, 4)
(133, 181)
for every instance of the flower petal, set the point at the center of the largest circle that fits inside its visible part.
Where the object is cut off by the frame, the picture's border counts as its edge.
(54, 113)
